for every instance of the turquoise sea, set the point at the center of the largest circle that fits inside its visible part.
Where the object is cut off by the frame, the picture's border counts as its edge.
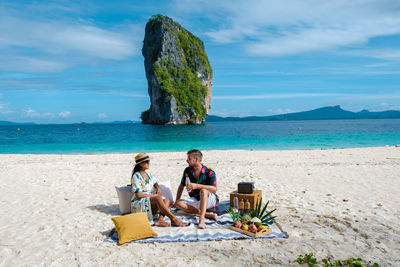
(257, 135)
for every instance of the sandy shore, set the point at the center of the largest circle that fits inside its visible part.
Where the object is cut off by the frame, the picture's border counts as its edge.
(56, 209)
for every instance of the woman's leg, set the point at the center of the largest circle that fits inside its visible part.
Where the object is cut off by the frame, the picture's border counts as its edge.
(165, 211)
(161, 217)
(160, 221)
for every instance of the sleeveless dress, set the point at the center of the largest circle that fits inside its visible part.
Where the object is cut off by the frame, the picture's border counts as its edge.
(139, 184)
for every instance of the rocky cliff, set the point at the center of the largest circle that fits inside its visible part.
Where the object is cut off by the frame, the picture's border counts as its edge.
(178, 74)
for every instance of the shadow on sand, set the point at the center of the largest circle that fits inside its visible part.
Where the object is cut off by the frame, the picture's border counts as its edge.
(107, 209)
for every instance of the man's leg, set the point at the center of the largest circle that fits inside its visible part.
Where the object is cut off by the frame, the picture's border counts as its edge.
(203, 207)
(182, 205)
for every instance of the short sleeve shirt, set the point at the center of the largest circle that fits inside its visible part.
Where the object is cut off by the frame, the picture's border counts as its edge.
(207, 177)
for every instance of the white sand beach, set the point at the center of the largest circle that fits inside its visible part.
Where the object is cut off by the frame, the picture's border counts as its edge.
(56, 209)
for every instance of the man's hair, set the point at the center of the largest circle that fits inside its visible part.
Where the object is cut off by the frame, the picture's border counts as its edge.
(195, 154)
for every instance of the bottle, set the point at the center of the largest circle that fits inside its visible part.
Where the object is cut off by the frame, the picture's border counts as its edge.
(235, 204)
(241, 206)
(187, 182)
(247, 206)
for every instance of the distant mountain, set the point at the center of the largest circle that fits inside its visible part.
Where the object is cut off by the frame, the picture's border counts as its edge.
(325, 113)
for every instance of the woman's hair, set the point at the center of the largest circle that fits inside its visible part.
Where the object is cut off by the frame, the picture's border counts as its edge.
(137, 168)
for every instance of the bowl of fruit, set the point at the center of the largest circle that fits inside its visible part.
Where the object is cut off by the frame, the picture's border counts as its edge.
(254, 223)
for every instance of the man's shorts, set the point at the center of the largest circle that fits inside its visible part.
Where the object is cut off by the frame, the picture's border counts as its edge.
(192, 201)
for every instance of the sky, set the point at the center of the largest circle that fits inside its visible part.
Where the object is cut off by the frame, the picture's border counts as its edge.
(81, 61)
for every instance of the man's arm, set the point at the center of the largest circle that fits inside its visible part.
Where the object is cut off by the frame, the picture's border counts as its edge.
(181, 186)
(211, 188)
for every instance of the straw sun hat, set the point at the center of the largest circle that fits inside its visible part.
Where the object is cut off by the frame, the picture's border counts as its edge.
(141, 157)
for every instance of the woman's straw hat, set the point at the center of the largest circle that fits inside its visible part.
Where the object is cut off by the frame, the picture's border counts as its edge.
(141, 157)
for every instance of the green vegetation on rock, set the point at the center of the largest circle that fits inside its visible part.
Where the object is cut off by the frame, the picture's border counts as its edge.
(179, 78)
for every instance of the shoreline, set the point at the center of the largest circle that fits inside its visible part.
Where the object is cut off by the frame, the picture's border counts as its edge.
(215, 150)
(336, 203)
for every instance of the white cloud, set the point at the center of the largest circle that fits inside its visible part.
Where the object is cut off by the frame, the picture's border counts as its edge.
(31, 64)
(240, 113)
(3, 107)
(56, 44)
(231, 113)
(383, 107)
(64, 114)
(234, 85)
(65, 37)
(125, 93)
(393, 95)
(275, 96)
(48, 115)
(280, 28)
(91, 40)
(30, 113)
(387, 54)
(102, 115)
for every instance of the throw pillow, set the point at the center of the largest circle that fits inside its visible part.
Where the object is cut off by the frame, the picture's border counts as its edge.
(133, 226)
(166, 190)
(124, 196)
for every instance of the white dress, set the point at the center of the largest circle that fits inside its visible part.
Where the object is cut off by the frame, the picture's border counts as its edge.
(139, 184)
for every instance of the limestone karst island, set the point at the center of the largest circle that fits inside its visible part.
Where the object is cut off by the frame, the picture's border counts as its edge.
(178, 73)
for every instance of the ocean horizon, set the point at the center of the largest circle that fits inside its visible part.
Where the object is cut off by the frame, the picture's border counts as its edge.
(249, 135)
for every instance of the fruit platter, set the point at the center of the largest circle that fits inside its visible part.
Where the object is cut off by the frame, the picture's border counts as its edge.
(254, 223)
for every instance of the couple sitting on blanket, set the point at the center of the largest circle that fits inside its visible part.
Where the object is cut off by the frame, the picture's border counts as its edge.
(202, 190)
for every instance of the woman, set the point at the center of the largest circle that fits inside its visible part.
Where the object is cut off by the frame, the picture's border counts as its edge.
(143, 200)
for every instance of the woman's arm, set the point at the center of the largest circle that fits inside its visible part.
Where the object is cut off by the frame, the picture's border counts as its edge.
(136, 187)
(158, 189)
(140, 195)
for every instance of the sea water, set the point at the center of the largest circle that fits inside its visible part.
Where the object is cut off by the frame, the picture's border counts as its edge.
(256, 135)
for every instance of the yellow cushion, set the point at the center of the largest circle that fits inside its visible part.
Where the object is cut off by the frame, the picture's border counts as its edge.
(134, 226)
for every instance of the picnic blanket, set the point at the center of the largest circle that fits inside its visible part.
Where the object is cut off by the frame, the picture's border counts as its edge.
(214, 231)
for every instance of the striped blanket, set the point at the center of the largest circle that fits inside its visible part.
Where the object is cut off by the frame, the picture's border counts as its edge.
(214, 231)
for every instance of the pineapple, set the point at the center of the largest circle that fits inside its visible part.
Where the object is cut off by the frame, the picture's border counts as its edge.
(259, 213)
(246, 219)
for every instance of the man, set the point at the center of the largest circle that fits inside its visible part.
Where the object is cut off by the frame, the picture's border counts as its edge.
(202, 188)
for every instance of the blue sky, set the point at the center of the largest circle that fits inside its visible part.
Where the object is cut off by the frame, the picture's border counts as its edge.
(73, 61)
